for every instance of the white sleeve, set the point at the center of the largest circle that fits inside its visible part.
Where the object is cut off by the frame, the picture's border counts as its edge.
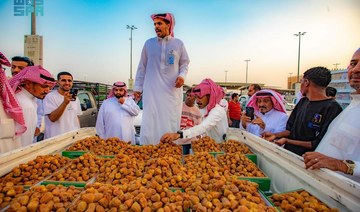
(100, 122)
(183, 62)
(131, 107)
(40, 112)
(140, 73)
(254, 129)
(282, 123)
(208, 122)
(49, 104)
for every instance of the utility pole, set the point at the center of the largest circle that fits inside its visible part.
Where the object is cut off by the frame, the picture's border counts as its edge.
(226, 71)
(298, 71)
(247, 61)
(131, 81)
(336, 64)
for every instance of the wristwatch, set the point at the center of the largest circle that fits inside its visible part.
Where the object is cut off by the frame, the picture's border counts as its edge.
(180, 133)
(351, 166)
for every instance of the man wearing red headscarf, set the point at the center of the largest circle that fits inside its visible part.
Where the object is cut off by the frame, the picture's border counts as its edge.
(214, 123)
(116, 115)
(31, 83)
(10, 112)
(161, 73)
(269, 113)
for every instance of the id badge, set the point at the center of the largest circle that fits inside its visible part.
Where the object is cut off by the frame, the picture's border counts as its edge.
(171, 58)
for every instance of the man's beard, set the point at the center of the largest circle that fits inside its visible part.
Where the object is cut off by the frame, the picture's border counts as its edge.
(356, 84)
(118, 96)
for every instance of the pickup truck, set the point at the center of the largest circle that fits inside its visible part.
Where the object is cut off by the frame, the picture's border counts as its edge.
(285, 169)
(91, 96)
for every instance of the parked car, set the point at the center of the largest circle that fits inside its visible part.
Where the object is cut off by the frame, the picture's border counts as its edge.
(89, 109)
(289, 107)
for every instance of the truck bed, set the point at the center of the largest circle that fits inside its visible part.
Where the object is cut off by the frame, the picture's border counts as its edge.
(285, 169)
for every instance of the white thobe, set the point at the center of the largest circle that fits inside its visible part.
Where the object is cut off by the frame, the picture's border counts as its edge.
(275, 121)
(117, 120)
(225, 104)
(7, 132)
(40, 115)
(342, 139)
(215, 125)
(28, 105)
(162, 61)
(40, 112)
(69, 119)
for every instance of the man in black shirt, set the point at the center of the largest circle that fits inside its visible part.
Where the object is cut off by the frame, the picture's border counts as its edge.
(311, 117)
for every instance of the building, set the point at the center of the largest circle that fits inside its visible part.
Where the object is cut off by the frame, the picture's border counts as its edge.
(292, 80)
(33, 43)
(33, 48)
(340, 81)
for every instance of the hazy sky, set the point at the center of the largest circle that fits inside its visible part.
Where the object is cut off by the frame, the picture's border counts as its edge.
(89, 37)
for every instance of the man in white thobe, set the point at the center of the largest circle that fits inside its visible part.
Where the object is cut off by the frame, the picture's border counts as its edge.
(31, 83)
(117, 114)
(10, 112)
(269, 113)
(161, 73)
(339, 150)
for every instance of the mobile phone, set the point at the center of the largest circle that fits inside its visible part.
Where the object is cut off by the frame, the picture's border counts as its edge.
(249, 111)
(73, 93)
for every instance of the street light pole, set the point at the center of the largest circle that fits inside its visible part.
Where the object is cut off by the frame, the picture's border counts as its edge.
(247, 61)
(132, 27)
(298, 72)
(226, 71)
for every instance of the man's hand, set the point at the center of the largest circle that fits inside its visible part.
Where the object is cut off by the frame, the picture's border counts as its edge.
(179, 82)
(230, 122)
(259, 122)
(121, 100)
(281, 141)
(67, 97)
(137, 95)
(316, 160)
(244, 120)
(268, 136)
(169, 137)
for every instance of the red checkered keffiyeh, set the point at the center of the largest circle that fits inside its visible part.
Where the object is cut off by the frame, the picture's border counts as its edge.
(35, 74)
(275, 97)
(207, 86)
(166, 16)
(10, 104)
(119, 85)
